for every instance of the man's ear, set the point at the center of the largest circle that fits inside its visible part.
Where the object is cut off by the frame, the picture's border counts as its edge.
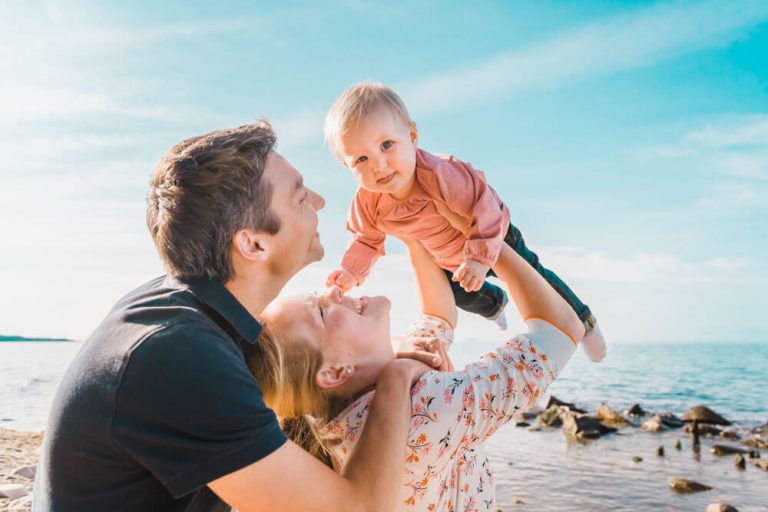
(329, 377)
(251, 245)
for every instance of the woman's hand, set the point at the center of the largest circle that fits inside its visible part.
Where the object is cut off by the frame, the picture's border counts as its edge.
(425, 349)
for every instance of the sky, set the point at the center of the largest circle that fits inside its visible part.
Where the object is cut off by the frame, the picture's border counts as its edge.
(628, 139)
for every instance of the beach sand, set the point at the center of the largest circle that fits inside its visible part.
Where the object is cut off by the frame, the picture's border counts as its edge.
(17, 449)
(541, 470)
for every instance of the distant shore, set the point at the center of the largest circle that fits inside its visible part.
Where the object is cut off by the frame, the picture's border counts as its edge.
(5, 338)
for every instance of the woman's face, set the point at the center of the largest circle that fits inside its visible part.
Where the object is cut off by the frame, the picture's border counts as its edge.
(350, 333)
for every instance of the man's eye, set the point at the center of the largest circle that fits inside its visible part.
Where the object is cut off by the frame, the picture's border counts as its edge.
(387, 144)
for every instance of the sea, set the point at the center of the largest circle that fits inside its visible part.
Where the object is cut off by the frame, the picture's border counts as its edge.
(541, 470)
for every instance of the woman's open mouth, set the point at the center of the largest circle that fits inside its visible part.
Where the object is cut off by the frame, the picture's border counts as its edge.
(360, 304)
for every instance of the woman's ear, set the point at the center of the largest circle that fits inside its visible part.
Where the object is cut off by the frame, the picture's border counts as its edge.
(330, 377)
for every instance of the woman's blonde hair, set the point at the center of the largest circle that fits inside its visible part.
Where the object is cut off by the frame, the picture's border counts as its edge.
(286, 375)
(356, 102)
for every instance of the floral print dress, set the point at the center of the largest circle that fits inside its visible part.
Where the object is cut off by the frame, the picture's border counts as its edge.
(445, 466)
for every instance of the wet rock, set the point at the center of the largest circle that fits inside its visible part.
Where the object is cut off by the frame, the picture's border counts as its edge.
(553, 400)
(26, 471)
(724, 449)
(730, 434)
(721, 507)
(704, 415)
(583, 427)
(21, 504)
(704, 430)
(662, 422)
(755, 442)
(660, 451)
(678, 445)
(635, 410)
(607, 414)
(12, 491)
(754, 454)
(740, 462)
(550, 417)
(636, 458)
(760, 463)
(522, 424)
(685, 486)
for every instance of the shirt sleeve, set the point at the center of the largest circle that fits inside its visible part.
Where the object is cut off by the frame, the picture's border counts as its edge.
(431, 326)
(367, 240)
(189, 410)
(466, 193)
(453, 412)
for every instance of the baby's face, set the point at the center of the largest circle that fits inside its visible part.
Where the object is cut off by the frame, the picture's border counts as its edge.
(381, 152)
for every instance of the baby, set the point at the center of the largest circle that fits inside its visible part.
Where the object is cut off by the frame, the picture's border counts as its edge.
(408, 192)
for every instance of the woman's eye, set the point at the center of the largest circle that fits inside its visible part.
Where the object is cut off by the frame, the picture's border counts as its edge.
(322, 312)
(387, 144)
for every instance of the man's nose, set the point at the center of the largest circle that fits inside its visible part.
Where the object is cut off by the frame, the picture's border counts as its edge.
(316, 200)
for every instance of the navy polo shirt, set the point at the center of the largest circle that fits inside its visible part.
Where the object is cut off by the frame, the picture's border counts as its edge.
(158, 403)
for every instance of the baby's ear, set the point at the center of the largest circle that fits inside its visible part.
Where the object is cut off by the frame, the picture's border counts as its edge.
(329, 377)
(414, 132)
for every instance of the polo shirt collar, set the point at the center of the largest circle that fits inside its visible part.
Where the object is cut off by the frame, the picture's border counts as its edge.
(215, 295)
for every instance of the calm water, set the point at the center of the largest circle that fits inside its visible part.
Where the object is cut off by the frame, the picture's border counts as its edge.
(541, 468)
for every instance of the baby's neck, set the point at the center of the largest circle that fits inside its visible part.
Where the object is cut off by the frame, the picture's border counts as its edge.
(406, 190)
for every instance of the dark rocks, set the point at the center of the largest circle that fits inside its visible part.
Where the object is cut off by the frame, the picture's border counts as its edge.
(559, 403)
(607, 414)
(760, 463)
(704, 430)
(635, 410)
(704, 415)
(550, 417)
(724, 449)
(678, 445)
(740, 462)
(522, 424)
(582, 427)
(660, 451)
(684, 486)
(720, 507)
(730, 434)
(661, 422)
(636, 458)
(755, 442)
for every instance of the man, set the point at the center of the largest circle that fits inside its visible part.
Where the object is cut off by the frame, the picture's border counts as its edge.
(158, 411)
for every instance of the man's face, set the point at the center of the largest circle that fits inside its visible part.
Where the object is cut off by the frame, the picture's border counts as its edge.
(297, 243)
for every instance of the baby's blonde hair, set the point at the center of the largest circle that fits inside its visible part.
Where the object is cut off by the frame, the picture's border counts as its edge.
(356, 102)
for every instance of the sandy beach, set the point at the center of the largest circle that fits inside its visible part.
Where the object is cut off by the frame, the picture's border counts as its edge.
(17, 450)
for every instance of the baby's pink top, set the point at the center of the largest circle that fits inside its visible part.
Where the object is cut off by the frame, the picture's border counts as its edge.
(439, 179)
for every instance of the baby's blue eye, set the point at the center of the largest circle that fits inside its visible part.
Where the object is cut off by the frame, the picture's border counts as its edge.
(361, 159)
(387, 144)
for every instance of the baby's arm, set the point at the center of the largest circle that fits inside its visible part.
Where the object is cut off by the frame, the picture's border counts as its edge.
(465, 192)
(366, 247)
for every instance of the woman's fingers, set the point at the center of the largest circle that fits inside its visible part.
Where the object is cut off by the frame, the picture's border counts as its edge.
(424, 356)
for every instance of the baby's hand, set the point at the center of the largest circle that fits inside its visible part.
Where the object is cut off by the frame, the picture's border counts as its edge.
(471, 275)
(341, 278)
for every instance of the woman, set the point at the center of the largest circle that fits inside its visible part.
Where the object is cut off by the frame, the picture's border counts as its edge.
(320, 356)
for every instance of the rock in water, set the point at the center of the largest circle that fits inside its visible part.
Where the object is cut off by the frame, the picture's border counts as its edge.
(678, 445)
(704, 430)
(553, 400)
(12, 491)
(607, 414)
(522, 424)
(636, 458)
(756, 442)
(550, 417)
(583, 427)
(26, 471)
(704, 415)
(724, 449)
(635, 410)
(682, 485)
(740, 462)
(660, 451)
(760, 463)
(721, 507)
(662, 422)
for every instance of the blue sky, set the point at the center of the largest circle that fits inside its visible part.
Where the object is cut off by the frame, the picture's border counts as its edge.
(629, 140)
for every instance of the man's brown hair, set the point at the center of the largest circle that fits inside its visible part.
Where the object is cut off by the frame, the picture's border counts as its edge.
(204, 190)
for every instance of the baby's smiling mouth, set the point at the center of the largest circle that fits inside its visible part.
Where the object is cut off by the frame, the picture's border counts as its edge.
(386, 179)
